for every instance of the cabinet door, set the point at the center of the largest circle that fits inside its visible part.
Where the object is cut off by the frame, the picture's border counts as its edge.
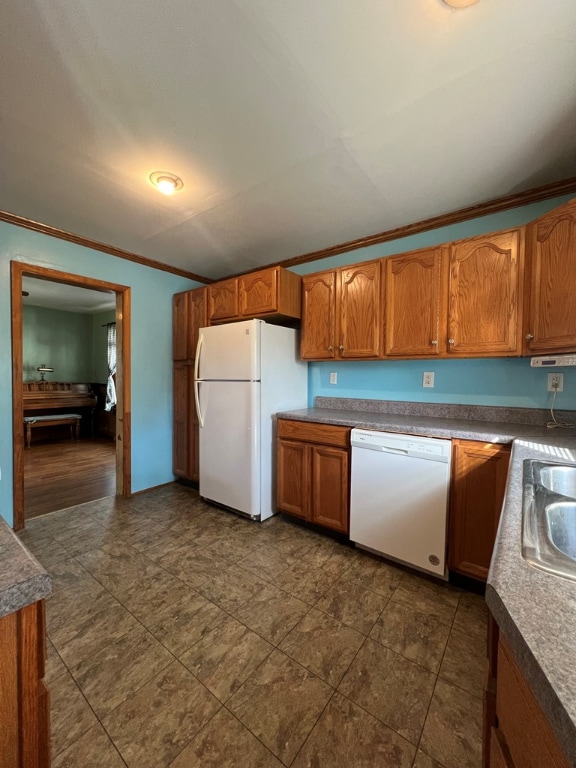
(479, 472)
(415, 303)
(330, 487)
(293, 478)
(197, 318)
(180, 326)
(223, 300)
(318, 308)
(258, 293)
(551, 244)
(484, 311)
(182, 380)
(359, 311)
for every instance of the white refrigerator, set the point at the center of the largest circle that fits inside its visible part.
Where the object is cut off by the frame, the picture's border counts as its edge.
(245, 372)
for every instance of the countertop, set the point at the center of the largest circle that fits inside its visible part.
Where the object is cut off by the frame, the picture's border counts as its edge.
(536, 611)
(22, 579)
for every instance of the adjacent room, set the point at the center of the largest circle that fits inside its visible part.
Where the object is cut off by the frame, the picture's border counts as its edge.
(288, 384)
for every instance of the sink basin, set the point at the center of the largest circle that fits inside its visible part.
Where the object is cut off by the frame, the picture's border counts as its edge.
(561, 523)
(549, 517)
(559, 479)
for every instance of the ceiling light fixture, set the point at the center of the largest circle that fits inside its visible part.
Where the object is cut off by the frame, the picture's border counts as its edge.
(165, 182)
(460, 3)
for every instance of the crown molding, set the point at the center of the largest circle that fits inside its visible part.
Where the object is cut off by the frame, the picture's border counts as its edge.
(61, 234)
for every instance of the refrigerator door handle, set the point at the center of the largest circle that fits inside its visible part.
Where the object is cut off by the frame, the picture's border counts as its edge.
(197, 399)
(196, 382)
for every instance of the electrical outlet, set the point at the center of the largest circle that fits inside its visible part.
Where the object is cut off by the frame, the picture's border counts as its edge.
(428, 379)
(333, 378)
(555, 382)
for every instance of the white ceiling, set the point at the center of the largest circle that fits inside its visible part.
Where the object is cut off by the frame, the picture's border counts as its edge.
(294, 125)
(66, 298)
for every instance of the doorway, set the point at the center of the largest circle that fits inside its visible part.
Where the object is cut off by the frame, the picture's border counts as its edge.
(123, 411)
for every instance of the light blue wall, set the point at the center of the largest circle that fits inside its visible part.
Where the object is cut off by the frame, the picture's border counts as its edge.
(495, 381)
(151, 363)
(60, 340)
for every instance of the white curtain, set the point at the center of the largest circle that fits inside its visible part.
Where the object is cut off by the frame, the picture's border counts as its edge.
(110, 386)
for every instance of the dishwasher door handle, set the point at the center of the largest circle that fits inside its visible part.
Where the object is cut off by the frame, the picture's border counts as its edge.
(389, 449)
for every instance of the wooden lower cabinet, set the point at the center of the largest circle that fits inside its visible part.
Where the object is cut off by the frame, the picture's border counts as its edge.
(313, 473)
(186, 456)
(24, 698)
(517, 733)
(479, 473)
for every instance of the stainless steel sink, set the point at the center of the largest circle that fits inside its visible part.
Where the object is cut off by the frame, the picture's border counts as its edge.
(561, 523)
(549, 517)
(559, 479)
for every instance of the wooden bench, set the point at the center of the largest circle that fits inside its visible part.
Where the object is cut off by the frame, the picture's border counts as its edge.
(73, 419)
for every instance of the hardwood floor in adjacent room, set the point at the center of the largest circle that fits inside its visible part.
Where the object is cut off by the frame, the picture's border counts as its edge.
(65, 473)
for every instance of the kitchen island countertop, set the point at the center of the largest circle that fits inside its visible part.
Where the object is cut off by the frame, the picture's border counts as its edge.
(535, 610)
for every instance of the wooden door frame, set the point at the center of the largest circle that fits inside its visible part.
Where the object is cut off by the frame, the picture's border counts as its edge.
(123, 408)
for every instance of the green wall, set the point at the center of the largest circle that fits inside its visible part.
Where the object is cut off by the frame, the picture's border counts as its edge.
(61, 340)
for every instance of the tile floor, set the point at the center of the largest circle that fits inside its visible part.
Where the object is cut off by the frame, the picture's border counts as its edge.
(181, 635)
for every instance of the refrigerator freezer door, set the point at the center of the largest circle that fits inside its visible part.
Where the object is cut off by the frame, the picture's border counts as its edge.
(229, 352)
(230, 444)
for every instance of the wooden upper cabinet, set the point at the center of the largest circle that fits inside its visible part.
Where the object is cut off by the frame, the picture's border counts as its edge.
(485, 295)
(189, 315)
(223, 300)
(342, 313)
(359, 311)
(268, 293)
(415, 303)
(551, 248)
(273, 291)
(318, 316)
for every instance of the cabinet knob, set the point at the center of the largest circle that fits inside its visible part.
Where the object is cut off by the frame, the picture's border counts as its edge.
(450, 341)
(434, 342)
(529, 336)
(341, 348)
(330, 348)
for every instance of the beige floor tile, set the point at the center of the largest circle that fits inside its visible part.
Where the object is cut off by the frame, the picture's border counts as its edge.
(54, 666)
(70, 715)
(465, 661)
(232, 587)
(193, 564)
(424, 761)
(415, 635)
(267, 562)
(235, 545)
(280, 703)
(323, 645)
(453, 730)
(353, 605)
(152, 726)
(92, 750)
(330, 555)
(390, 687)
(436, 600)
(225, 657)
(225, 743)
(346, 735)
(109, 677)
(374, 573)
(305, 581)
(68, 573)
(472, 615)
(87, 627)
(272, 613)
(117, 566)
(146, 599)
(184, 622)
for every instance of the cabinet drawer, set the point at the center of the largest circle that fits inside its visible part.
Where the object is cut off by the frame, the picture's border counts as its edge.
(310, 432)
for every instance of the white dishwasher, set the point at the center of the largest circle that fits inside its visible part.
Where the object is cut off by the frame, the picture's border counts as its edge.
(399, 497)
